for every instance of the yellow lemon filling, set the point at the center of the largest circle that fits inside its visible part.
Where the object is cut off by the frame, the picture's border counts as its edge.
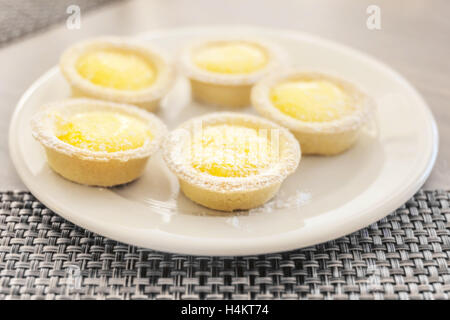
(232, 151)
(231, 58)
(102, 131)
(116, 69)
(313, 101)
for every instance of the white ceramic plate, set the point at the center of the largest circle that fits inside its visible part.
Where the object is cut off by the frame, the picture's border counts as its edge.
(325, 198)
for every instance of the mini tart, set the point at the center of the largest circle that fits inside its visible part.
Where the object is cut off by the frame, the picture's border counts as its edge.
(323, 112)
(230, 161)
(95, 142)
(118, 70)
(223, 71)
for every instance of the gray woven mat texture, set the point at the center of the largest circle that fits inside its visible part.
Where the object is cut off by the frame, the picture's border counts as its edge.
(19, 18)
(403, 256)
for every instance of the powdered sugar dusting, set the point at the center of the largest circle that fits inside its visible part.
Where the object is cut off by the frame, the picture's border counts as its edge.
(175, 155)
(363, 104)
(43, 123)
(275, 54)
(281, 201)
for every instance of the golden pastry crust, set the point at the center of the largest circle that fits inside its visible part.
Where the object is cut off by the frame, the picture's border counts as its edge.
(226, 90)
(147, 98)
(97, 168)
(325, 137)
(230, 193)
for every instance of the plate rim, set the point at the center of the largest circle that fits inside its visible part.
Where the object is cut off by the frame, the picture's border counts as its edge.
(198, 246)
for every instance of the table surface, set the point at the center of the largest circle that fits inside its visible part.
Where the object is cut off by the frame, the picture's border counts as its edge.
(414, 40)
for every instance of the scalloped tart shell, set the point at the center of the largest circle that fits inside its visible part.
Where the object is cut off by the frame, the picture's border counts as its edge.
(96, 168)
(230, 90)
(228, 193)
(316, 137)
(147, 97)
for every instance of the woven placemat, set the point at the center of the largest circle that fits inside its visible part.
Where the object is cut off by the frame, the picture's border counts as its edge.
(403, 256)
(24, 17)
